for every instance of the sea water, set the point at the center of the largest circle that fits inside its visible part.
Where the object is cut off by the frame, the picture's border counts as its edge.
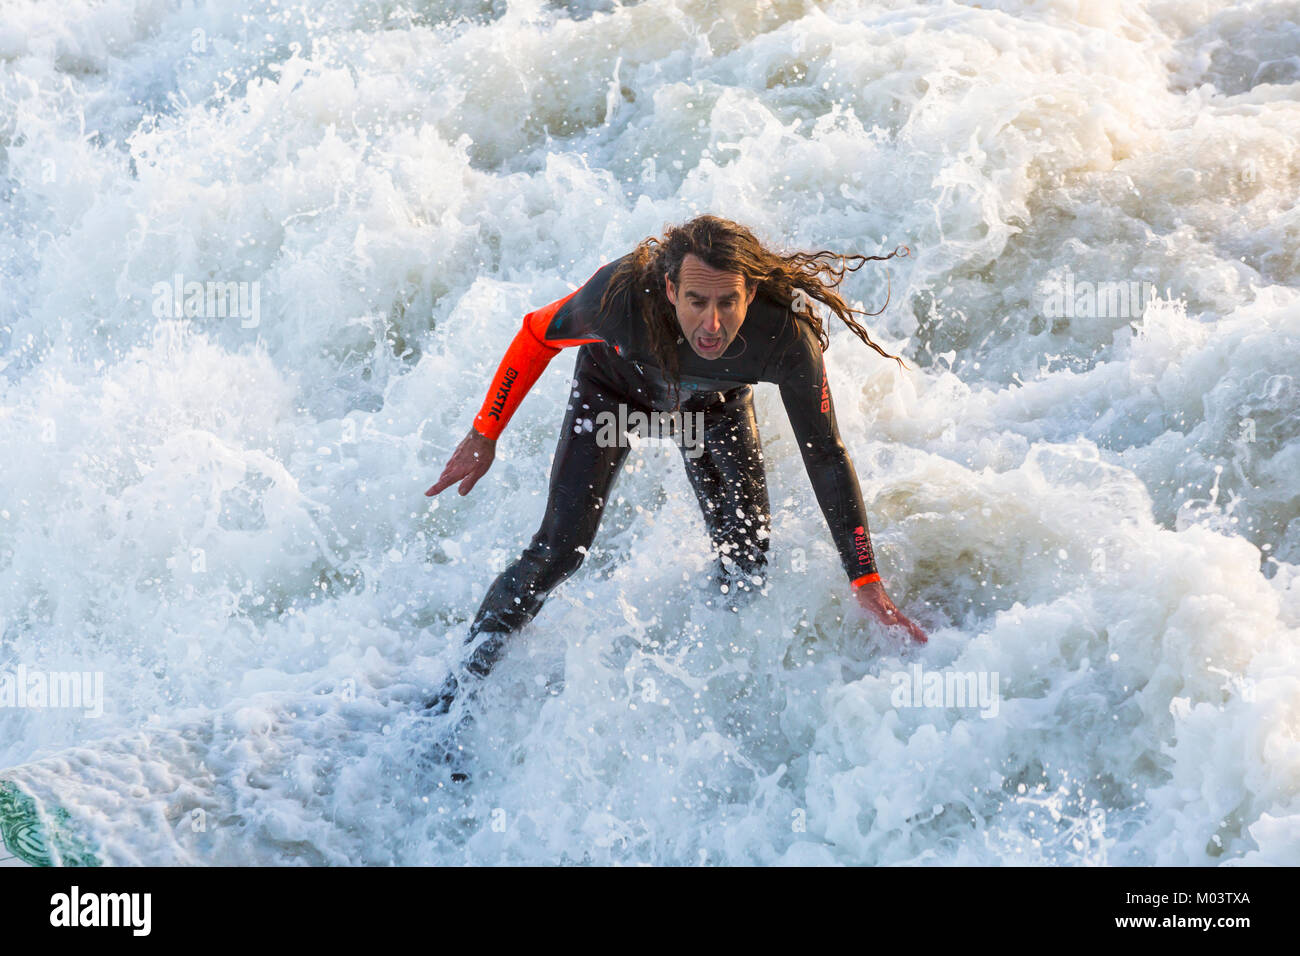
(259, 261)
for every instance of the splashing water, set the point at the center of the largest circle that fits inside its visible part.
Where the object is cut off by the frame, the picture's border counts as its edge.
(1084, 489)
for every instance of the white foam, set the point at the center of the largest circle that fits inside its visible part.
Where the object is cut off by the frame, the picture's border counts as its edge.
(228, 521)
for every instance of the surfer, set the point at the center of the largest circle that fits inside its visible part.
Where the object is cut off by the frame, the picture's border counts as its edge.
(660, 329)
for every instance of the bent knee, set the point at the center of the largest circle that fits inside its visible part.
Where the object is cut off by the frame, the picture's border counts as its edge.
(552, 560)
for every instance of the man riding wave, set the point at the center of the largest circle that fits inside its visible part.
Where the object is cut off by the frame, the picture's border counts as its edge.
(659, 330)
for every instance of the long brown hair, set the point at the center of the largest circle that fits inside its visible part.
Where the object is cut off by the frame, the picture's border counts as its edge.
(637, 285)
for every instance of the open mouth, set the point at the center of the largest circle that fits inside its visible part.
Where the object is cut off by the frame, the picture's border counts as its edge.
(708, 343)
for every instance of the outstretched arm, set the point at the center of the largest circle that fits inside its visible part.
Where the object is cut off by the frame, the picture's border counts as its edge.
(807, 398)
(566, 321)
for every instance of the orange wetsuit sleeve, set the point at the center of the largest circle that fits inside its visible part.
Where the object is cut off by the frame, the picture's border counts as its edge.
(529, 353)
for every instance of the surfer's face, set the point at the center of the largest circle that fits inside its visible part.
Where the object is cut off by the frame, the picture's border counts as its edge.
(711, 305)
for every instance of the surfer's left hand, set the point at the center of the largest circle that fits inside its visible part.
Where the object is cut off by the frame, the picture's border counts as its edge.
(874, 600)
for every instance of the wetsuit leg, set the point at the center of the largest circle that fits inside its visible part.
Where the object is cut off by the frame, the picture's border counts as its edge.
(582, 475)
(730, 482)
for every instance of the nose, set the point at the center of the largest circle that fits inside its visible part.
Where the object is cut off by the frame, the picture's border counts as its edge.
(713, 322)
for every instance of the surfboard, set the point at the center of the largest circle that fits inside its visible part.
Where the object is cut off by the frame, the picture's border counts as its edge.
(115, 800)
(30, 837)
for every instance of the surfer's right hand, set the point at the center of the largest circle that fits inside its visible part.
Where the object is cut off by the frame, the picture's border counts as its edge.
(470, 461)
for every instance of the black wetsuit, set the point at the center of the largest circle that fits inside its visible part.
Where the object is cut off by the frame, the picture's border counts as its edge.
(615, 365)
